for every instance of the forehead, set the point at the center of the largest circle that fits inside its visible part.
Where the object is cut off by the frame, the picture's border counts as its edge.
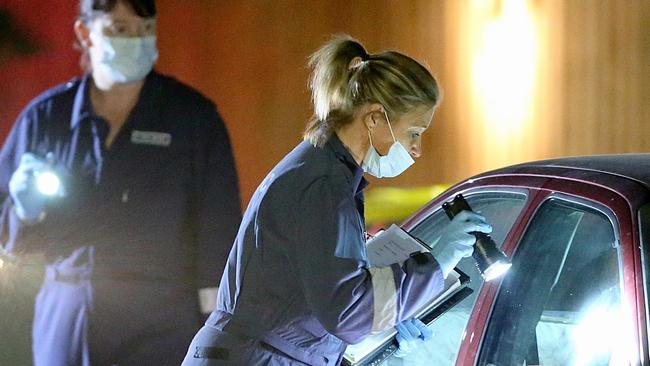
(419, 117)
(123, 12)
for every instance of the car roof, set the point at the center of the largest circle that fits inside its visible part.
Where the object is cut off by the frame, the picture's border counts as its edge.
(631, 166)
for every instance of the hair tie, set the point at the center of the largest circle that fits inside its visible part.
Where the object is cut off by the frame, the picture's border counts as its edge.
(358, 61)
(355, 62)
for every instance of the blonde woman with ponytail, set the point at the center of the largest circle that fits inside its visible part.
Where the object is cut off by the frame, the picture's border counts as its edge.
(297, 288)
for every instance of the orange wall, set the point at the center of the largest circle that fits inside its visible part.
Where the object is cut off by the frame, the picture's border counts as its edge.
(24, 77)
(591, 77)
(250, 57)
(589, 80)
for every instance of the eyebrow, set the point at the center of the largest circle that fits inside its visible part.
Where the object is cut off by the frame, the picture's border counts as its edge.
(125, 21)
(119, 20)
(417, 128)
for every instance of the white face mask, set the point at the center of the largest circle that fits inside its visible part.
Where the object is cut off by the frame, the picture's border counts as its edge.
(390, 165)
(124, 59)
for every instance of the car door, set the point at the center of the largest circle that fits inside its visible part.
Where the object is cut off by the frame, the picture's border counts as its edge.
(574, 295)
(592, 272)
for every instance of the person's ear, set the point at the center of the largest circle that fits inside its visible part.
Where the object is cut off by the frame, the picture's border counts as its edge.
(83, 34)
(374, 114)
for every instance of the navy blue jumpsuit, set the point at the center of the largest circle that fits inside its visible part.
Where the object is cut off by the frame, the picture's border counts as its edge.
(143, 226)
(297, 288)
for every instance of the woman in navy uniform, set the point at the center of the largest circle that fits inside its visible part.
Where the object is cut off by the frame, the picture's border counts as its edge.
(297, 288)
(139, 232)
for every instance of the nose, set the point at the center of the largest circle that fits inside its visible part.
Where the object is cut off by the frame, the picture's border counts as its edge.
(141, 31)
(416, 150)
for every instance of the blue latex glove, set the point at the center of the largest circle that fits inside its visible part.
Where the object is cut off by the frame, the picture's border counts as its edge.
(410, 334)
(28, 201)
(455, 242)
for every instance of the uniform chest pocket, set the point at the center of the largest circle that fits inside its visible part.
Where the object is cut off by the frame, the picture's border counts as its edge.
(351, 238)
(160, 164)
(156, 178)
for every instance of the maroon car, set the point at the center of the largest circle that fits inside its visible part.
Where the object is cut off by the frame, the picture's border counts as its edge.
(576, 232)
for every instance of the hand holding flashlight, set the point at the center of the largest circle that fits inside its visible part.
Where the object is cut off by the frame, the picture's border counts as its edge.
(32, 184)
(457, 240)
(490, 260)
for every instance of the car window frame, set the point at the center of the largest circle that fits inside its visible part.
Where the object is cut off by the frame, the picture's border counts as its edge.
(643, 220)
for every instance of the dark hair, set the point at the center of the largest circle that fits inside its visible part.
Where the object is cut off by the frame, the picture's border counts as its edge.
(345, 77)
(89, 9)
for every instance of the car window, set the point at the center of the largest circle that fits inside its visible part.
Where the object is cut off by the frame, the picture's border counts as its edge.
(501, 210)
(560, 302)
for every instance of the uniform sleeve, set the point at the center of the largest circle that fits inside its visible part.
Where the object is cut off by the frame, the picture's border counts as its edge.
(15, 236)
(9, 225)
(216, 200)
(349, 299)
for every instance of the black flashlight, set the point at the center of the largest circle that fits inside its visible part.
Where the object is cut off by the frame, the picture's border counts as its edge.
(490, 260)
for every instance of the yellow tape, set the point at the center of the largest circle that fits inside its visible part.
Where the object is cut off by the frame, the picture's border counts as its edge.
(387, 205)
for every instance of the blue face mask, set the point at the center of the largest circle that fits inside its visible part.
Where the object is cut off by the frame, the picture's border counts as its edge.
(390, 165)
(124, 59)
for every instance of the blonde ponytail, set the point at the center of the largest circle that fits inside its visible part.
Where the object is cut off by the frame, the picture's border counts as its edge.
(331, 65)
(344, 76)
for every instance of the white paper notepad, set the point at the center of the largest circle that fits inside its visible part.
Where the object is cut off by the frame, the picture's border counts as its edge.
(394, 245)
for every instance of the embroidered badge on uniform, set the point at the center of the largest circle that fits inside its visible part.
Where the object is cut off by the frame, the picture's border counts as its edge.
(151, 138)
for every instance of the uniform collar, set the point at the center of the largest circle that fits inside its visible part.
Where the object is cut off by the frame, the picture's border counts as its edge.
(344, 155)
(82, 107)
